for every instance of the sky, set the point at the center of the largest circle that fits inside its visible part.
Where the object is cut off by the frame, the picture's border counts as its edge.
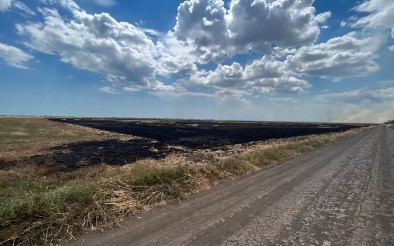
(269, 60)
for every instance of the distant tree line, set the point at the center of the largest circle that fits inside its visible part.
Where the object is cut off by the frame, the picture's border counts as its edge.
(389, 122)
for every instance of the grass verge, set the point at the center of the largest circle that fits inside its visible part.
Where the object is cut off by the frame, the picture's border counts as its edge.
(45, 205)
(22, 137)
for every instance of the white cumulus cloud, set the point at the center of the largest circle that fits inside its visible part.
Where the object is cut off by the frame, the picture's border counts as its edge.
(270, 75)
(227, 75)
(202, 24)
(345, 56)
(96, 43)
(281, 35)
(266, 75)
(217, 32)
(283, 23)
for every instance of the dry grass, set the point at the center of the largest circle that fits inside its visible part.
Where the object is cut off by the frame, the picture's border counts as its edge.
(45, 205)
(23, 137)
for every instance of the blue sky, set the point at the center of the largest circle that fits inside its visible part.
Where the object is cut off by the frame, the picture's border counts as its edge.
(286, 60)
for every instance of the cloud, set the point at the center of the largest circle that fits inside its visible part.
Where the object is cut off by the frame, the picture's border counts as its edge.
(8, 4)
(202, 25)
(280, 34)
(339, 57)
(108, 90)
(5, 5)
(380, 15)
(358, 96)
(267, 67)
(122, 52)
(217, 32)
(97, 43)
(174, 58)
(283, 100)
(283, 85)
(323, 17)
(203, 21)
(125, 54)
(266, 75)
(105, 3)
(282, 23)
(68, 4)
(21, 6)
(14, 56)
(227, 76)
(272, 76)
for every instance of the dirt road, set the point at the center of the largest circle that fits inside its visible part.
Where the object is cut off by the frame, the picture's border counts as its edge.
(342, 194)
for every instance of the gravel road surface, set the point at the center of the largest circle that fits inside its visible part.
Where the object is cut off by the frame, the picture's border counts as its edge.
(341, 194)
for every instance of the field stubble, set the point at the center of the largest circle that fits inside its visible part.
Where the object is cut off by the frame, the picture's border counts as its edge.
(47, 204)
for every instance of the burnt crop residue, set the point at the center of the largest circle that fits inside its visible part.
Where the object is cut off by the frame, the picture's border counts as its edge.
(157, 139)
(208, 134)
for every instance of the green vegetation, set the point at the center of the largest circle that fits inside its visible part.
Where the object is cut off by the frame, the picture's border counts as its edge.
(43, 205)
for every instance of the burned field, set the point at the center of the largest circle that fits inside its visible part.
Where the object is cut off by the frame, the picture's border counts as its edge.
(207, 134)
(157, 139)
(123, 141)
(61, 176)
